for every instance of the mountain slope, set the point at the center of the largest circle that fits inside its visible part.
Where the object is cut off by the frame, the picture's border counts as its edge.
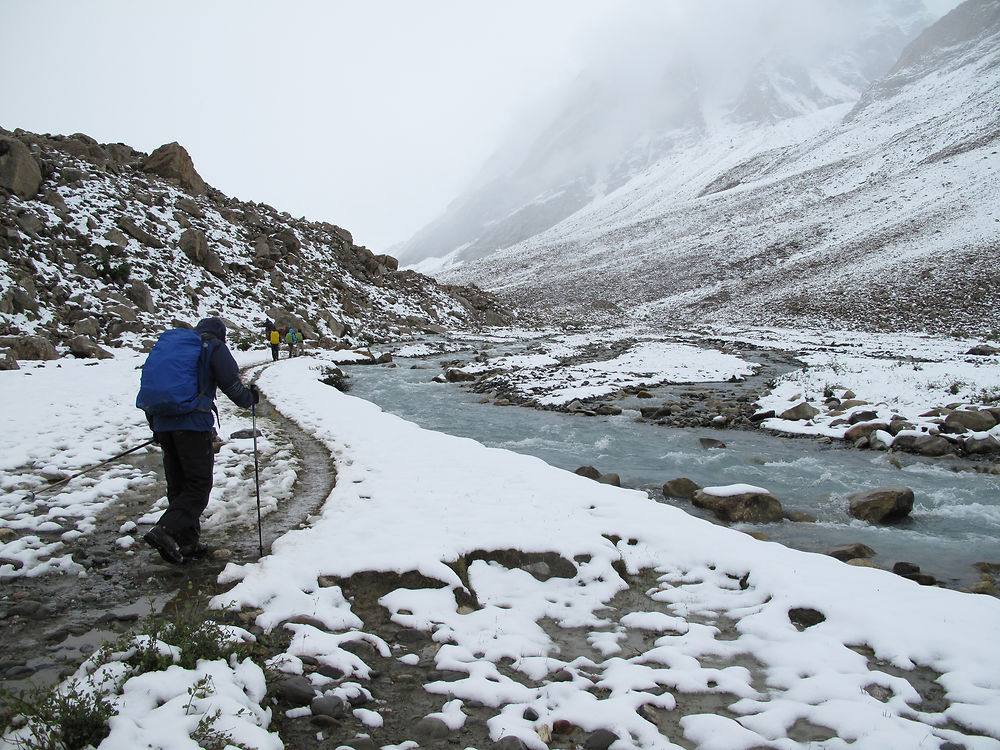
(652, 96)
(887, 217)
(102, 244)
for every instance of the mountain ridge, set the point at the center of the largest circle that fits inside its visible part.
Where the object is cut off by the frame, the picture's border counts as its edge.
(881, 213)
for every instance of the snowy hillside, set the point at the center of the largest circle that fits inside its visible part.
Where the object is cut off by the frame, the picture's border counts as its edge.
(881, 215)
(663, 79)
(885, 214)
(103, 246)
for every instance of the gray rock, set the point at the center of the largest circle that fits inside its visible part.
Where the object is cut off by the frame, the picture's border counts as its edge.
(798, 412)
(173, 162)
(194, 245)
(133, 230)
(430, 728)
(361, 743)
(297, 690)
(981, 446)
(189, 207)
(854, 551)
(866, 415)
(510, 743)
(600, 740)
(87, 327)
(932, 445)
(29, 347)
(588, 471)
(84, 347)
(863, 430)
(19, 170)
(972, 419)
(611, 478)
(681, 487)
(328, 705)
(710, 443)
(8, 361)
(881, 505)
(983, 350)
(744, 507)
(138, 292)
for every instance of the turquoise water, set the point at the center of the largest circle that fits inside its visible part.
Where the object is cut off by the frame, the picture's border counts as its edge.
(955, 521)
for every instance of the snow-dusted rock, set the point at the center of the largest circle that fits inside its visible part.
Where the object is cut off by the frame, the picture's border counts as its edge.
(739, 503)
(803, 411)
(977, 420)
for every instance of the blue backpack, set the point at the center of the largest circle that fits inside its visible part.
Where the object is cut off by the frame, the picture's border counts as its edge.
(176, 374)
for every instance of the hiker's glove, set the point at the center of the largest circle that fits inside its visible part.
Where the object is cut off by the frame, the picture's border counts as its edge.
(256, 393)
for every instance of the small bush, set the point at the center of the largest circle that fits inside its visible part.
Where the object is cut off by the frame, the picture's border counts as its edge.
(69, 717)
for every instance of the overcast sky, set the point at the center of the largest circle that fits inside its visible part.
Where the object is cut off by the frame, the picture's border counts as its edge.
(372, 115)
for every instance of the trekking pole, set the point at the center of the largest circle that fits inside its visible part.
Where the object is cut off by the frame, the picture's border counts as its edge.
(256, 475)
(90, 468)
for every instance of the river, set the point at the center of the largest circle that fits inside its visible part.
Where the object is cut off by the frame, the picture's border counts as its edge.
(955, 521)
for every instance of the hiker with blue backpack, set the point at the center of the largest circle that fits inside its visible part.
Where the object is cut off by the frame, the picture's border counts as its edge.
(177, 392)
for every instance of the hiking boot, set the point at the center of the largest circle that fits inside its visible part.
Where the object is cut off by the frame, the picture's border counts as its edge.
(194, 551)
(158, 538)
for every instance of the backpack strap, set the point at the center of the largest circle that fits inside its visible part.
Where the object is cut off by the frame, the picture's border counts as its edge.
(208, 346)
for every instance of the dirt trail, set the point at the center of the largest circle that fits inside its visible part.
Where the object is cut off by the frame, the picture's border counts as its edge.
(50, 623)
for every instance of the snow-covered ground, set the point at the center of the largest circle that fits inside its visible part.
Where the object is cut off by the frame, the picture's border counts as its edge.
(716, 617)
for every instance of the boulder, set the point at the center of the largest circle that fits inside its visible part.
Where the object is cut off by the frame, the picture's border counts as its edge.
(588, 471)
(194, 244)
(173, 162)
(140, 296)
(681, 487)
(710, 443)
(19, 170)
(611, 478)
(973, 419)
(932, 445)
(129, 227)
(29, 347)
(983, 350)
(880, 440)
(455, 375)
(981, 446)
(881, 505)
(924, 445)
(8, 361)
(862, 415)
(84, 347)
(863, 430)
(799, 412)
(88, 326)
(856, 551)
(739, 503)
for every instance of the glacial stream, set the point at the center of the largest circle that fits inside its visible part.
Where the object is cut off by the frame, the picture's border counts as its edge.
(954, 524)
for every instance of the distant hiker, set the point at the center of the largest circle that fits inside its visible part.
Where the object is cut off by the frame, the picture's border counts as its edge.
(177, 392)
(290, 340)
(273, 338)
(299, 341)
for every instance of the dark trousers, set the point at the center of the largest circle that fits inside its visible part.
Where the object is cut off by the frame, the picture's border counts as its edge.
(274, 351)
(188, 460)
